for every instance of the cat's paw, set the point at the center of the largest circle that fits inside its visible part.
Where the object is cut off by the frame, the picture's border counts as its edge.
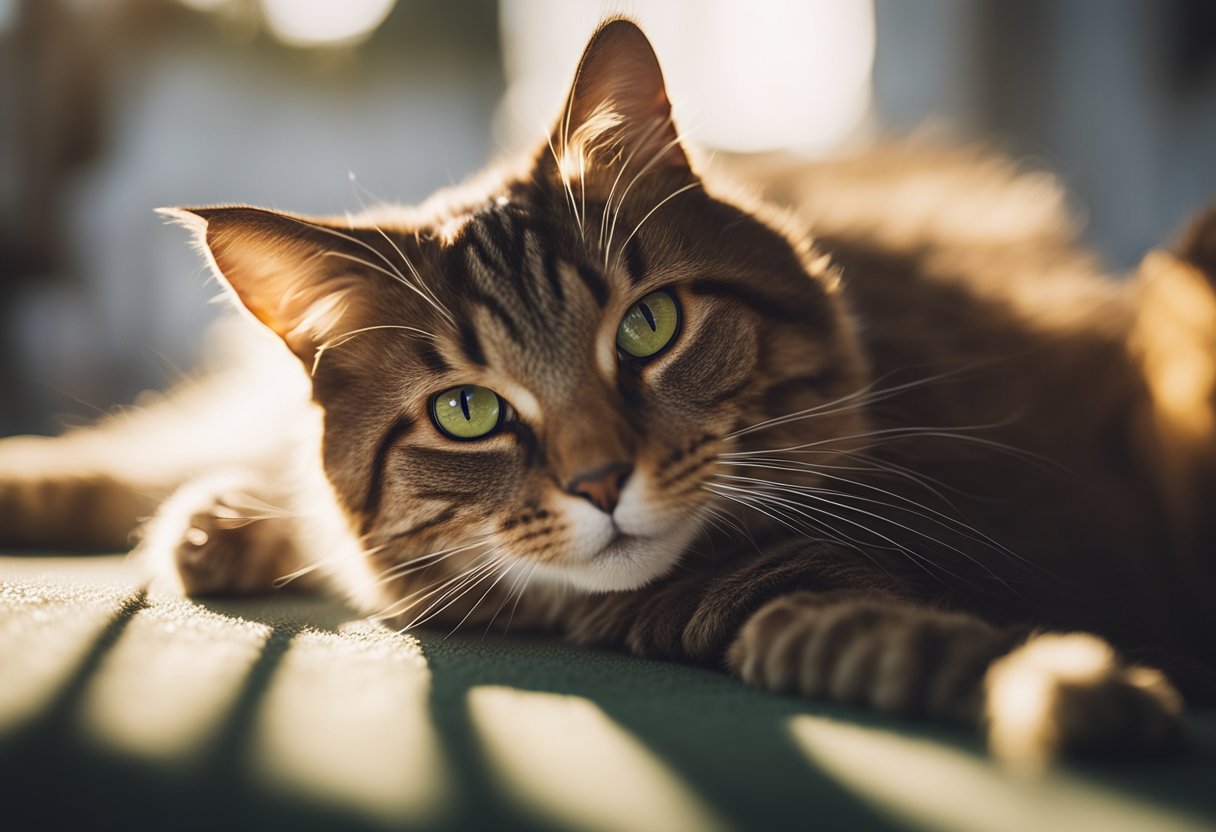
(1069, 694)
(216, 539)
(892, 656)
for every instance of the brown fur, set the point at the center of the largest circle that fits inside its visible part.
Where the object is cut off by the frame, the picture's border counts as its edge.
(905, 420)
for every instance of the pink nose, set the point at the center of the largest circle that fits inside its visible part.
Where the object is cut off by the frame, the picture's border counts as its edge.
(601, 487)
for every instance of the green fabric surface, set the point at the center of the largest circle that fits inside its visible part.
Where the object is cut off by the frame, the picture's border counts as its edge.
(122, 708)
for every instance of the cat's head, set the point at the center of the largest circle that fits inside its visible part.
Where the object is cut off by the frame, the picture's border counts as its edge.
(551, 362)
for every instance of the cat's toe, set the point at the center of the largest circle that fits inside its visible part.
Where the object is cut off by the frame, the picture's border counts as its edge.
(801, 644)
(208, 556)
(215, 540)
(1070, 695)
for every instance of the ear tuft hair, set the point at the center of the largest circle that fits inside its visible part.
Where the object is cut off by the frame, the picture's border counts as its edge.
(617, 114)
(294, 275)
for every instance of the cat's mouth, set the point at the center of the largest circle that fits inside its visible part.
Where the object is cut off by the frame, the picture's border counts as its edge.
(627, 549)
(619, 542)
(620, 563)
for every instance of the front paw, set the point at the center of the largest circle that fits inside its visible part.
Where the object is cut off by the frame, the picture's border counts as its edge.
(884, 653)
(1069, 694)
(213, 538)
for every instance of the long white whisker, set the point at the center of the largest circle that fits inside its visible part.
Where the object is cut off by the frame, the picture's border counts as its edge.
(820, 499)
(625, 193)
(510, 593)
(879, 464)
(477, 603)
(339, 340)
(308, 568)
(397, 278)
(885, 435)
(412, 599)
(802, 523)
(519, 597)
(359, 186)
(565, 180)
(936, 517)
(427, 561)
(913, 506)
(660, 204)
(802, 508)
(475, 579)
(622, 166)
(395, 274)
(401, 254)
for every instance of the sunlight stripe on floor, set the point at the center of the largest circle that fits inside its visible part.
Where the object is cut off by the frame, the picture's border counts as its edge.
(346, 719)
(45, 632)
(937, 787)
(169, 682)
(563, 757)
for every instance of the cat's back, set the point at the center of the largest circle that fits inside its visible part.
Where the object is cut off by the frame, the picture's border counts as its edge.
(968, 284)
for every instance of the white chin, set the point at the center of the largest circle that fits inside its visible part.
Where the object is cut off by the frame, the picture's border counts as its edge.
(626, 563)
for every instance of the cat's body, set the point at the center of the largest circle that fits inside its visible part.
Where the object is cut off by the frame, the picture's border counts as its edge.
(893, 427)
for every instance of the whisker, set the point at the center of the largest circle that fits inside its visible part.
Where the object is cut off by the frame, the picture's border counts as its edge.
(515, 585)
(307, 569)
(782, 516)
(625, 193)
(917, 508)
(476, 577)
(917, 557)
(519, 597)
(885, 435)
(818, 495)
(397, 277)
(862, 397)
(347, 336)
(795, 520)
(622, 166)
(933, 516)
(868, 464)
(660, 204)
(562, 175)
(477, 603)
(425, 592)
(426, 561)
(408, 263)
(395, 274)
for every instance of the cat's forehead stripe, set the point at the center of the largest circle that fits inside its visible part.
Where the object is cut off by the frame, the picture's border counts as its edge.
(512, 252)
(544, 259)
(462, 274)
(470, 345)
(432, 359)
(635, 262)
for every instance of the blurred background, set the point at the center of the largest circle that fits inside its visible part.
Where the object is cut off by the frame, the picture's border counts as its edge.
(110, 108)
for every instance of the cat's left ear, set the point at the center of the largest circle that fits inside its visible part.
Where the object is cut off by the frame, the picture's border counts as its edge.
(297, 276)
(617, 114)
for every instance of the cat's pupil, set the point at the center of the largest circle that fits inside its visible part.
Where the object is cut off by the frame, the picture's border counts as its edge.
(649, 316)
(464, 404)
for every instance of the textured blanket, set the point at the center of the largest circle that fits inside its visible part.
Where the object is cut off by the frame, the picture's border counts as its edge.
(123, 709)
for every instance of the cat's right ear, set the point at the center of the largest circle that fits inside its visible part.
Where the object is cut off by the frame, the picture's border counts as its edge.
(617, 117)
(297, 276)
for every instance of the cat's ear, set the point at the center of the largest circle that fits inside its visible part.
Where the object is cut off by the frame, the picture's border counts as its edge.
(296, 276)
(617, 114)
(1199, 243)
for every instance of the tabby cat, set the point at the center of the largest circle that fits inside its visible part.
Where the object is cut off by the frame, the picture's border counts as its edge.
(880, 433)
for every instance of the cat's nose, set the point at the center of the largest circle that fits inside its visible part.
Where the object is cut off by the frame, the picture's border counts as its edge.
(601, 486)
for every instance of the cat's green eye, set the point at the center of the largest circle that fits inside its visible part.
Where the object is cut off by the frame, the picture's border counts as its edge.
(649, 325)
(467, 411)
